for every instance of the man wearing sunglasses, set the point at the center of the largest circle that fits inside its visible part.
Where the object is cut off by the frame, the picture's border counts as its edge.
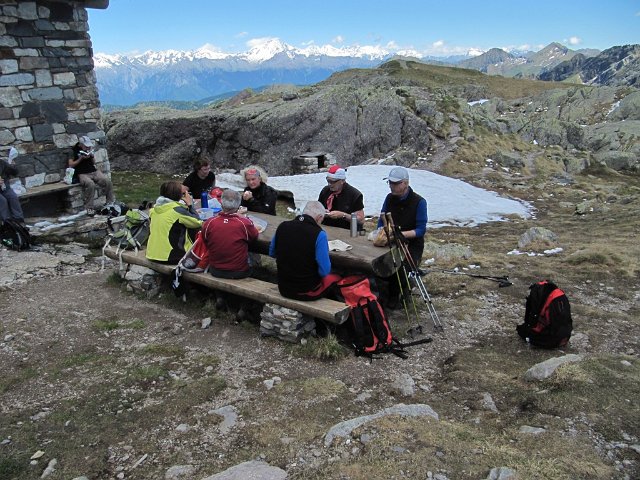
(341, 200)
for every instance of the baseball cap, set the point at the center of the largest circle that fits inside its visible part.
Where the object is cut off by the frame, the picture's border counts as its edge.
(336, 172)
(398, 174)
(86, 141)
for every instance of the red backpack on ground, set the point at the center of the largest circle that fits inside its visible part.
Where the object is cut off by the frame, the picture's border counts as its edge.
(547, 318)
(371, 331)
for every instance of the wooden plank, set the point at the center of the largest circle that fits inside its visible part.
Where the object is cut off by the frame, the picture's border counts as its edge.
(46, 189)
(364, 257)
(258, 290)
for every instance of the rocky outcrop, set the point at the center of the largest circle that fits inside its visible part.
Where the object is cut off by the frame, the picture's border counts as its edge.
(354, 123)
(360, 115)
(615, 66)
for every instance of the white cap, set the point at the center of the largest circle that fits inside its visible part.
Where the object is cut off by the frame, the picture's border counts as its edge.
(398, 174)
(336, 172)
(86, 141)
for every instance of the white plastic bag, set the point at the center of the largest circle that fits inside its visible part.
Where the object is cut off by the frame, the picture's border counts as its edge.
(16, 186)
(68, 175)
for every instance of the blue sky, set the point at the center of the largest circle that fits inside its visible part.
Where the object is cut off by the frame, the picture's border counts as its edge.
(428, 26)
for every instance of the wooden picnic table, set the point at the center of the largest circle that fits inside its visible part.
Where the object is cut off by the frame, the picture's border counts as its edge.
(364, 257)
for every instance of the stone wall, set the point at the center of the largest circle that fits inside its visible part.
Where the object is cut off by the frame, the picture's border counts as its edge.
(48, 94)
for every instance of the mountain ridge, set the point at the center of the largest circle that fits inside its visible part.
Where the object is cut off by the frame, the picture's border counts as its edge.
(190, 76)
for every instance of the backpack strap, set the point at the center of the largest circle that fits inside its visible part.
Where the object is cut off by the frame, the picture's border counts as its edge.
(543, 319)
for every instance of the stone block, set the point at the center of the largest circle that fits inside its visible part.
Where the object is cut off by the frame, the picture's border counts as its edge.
(43, 78)
(64, 79)
(34, 180)
(8, 66)
(31, 42)
(6, 137)
(80, 52)
(52, 178)
(54, 111)
(42, 132)
(6, 114)
(27, 11)
(46, 93)
(11, 124)
(16, 79)
(33, 63)
(10, 97)
(44, 25)
(25, 52)
(24, 134)
(61, 26)
(65, 140)
(6, 41)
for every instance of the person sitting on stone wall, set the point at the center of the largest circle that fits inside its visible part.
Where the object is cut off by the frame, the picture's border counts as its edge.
(257, 195)
(10, 208)
(174, 224)
(202, 179)
(88, 175)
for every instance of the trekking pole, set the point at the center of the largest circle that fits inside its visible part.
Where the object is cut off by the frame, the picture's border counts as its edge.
(502, 281)
(396, 267)
(415, 273)
(397, 242)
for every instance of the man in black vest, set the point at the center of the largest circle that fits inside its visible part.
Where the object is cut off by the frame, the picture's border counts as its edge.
(301, 249)
(409, 213)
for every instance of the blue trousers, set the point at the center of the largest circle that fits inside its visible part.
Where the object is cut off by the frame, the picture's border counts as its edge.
(10, 208)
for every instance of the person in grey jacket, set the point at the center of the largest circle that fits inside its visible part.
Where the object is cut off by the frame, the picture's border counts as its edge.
(10, 208)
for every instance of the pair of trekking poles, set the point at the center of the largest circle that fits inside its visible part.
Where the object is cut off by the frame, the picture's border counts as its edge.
(401, 257)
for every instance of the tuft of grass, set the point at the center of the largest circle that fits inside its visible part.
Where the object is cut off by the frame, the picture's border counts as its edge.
(589, 256)
(324, 348)
(112, 323)
(164, 350)
(133, 188)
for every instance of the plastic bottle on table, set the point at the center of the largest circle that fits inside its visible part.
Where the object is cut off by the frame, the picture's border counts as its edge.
(204, 199)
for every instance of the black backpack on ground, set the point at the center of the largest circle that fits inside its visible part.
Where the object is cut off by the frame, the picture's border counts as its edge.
(547, 318)
(14, 235)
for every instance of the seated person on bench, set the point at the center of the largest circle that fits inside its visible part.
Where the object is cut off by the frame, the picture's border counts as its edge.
(10, 208)
(88, 175)
(174, 224)
(227, 237)
(301, 250)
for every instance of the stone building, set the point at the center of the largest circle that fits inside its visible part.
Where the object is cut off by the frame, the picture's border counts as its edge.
(48, 94)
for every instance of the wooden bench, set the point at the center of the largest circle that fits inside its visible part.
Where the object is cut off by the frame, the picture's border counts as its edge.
(264, 292)
(47, 199)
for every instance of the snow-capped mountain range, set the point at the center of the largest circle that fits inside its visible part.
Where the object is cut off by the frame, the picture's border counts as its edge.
(206, 72)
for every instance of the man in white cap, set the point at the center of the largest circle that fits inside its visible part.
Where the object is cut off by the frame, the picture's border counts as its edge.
(88, 175)
(409, 212)
(10, 208)
(341, 200)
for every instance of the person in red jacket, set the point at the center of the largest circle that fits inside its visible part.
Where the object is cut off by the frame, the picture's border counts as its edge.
(227, 237)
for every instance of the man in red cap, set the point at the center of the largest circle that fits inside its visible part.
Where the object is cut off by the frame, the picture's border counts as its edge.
(341, 200)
